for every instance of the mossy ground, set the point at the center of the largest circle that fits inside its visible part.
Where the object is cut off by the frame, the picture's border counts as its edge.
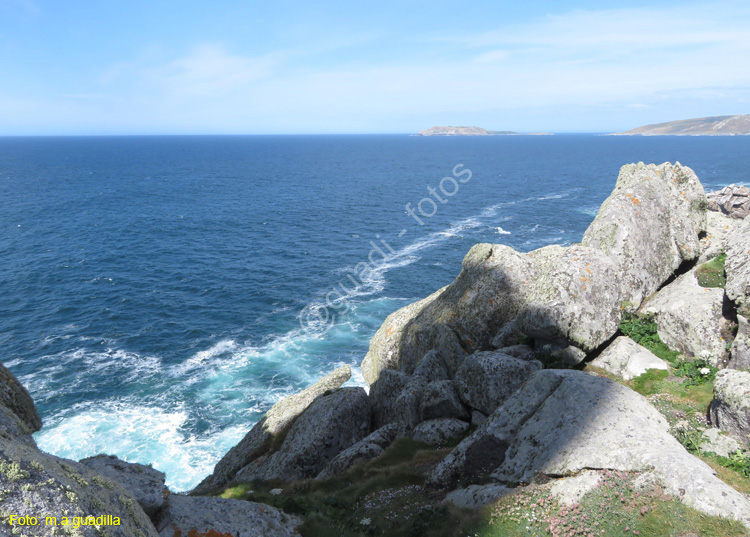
(711, 274)
(618, 507)
(388, 496)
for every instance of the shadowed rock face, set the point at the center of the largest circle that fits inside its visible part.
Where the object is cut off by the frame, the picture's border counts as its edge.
(330, 425)
(275, 422)
(14, 397)
(570, 296)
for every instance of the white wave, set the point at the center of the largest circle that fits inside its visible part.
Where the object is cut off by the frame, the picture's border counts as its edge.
(201, 358)
(139, 433)
(501, 231)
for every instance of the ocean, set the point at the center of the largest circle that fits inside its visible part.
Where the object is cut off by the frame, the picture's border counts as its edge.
(159, 294)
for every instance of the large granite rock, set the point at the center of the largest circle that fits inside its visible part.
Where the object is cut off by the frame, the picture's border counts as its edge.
(368, 448)
(186, 516)
(441, 431)
(14, 397)
(740, 351)
(732, 200)
(464, 316)
(568, 297)
(35, 484)
(574, 298)
(440, 400)
(486, 379)
(718, 230)
(627, 360)
(385, 345)
(714, 441)
(407, 407)
(730, 409)
(690, 320)
(433, 367)
(330, 424)
(274, 424)
(383, 395)
(12, 428)
(649, 226)
(144, 482)
(561, 423)
(737, 267)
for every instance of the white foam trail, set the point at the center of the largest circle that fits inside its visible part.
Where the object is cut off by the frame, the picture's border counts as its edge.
(501, 231)
(200, 359)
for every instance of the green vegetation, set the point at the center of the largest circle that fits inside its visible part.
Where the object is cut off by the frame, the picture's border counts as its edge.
(696, 372)
(642, 330)
(616, 507)
(711, 274)
(385, 496)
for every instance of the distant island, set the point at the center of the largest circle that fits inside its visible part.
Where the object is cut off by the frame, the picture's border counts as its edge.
(471, 131)
(738, 125)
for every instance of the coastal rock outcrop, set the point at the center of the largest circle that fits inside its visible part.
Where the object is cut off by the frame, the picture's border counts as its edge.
(218, 517)
(732, 200)
(15, 398)
(649, 226)
(561, 423)
(328, 426)
(730, 409)
(627, 359)
(568, 298)
(144, 482)
(690, 319)
(36, 484)
(275, 423)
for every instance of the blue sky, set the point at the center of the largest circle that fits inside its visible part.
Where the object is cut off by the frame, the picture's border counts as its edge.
(236, 67)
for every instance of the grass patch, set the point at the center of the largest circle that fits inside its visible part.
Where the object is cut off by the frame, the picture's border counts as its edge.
(643, 330)
(711, 274)
(618, 507)
(385, 496)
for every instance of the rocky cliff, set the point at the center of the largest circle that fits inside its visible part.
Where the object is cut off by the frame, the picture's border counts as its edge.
(533, 376)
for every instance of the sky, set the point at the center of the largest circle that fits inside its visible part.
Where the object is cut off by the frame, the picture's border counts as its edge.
(285, 67)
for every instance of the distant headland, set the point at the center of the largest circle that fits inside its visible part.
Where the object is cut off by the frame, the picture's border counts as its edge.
(737, 125)
(471, 131)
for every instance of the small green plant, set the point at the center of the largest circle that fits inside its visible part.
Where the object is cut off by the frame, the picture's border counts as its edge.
(711, 274)
(643, 330)
(696, 372)
(739, 461)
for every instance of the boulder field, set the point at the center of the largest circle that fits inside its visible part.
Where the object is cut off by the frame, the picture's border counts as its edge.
(520, 365)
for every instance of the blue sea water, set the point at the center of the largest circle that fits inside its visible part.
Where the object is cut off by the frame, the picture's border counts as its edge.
(151, 286)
